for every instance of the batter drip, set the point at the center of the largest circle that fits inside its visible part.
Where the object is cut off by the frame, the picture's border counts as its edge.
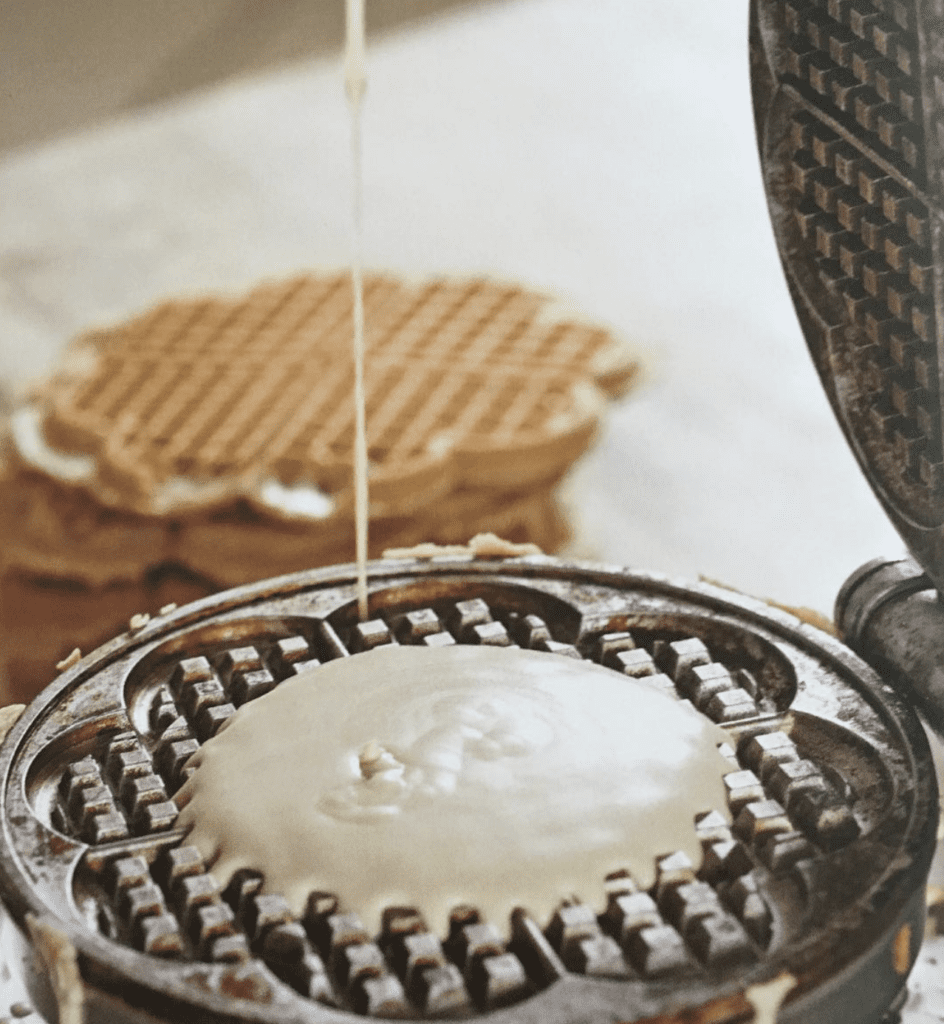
(438, 776)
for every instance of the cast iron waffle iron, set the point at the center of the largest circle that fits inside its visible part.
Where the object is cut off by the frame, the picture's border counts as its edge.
(849, 100)
(849, 106)
(822, 873)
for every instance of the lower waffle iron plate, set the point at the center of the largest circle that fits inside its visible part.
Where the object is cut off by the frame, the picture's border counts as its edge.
(821, 872)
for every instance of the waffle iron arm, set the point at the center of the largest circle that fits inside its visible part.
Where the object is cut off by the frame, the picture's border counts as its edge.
(892, 616)
(848, 105)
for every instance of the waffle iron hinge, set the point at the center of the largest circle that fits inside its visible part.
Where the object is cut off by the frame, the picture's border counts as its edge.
(891, 614)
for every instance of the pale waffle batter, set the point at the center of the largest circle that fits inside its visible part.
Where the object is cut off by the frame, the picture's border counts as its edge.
(543, 793)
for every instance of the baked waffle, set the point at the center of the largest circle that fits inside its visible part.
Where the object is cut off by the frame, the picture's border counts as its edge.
(46, 613)
(198, 403)
(231, 551)
(53, 531)
(211, 439)
(45, 619)
(46, 616)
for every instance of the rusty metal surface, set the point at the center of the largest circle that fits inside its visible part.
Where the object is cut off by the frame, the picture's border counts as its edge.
(825, 892)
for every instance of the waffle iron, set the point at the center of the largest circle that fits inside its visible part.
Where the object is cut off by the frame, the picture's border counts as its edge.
(849, 108)
(822, 871)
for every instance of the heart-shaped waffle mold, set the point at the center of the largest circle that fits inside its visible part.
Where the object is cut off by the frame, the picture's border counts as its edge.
(820, 874)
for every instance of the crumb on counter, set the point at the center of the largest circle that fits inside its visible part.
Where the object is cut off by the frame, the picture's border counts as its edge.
(490, 545)
(427, 550)
(901, 951)
(482, 545)
(935, 924)
(768, 997)
(810, 616)
(9, 716)
(71, 659)
(58, 956)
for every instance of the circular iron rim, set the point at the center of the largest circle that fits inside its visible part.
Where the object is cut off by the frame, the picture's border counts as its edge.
(559, 1002)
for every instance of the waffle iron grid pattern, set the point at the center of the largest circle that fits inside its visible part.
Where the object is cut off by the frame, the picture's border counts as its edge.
(211, 380)
(862, 187)
(861, 58)
(146, 888)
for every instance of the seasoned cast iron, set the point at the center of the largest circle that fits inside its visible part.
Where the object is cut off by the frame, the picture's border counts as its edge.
(822, 873)
(849, 107)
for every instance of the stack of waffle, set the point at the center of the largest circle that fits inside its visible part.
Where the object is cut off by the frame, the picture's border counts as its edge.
(208, 443)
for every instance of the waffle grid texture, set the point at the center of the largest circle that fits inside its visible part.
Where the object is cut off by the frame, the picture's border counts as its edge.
(197, 425)
(466, 382)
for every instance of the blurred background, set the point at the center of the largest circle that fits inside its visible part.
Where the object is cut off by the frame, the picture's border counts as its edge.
(67, 66)
(603, 151)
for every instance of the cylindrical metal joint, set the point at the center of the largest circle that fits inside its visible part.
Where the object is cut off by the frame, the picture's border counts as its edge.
(892, 616)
